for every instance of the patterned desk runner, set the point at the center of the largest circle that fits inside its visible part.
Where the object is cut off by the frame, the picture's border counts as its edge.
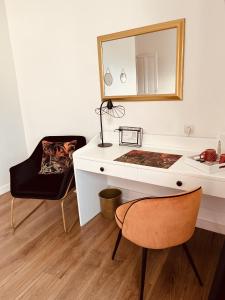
(150, 159)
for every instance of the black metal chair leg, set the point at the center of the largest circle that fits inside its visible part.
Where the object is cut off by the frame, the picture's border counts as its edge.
(117, 244)
(190, 259)
(143, 270)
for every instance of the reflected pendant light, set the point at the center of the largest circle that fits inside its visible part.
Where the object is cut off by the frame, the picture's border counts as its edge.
(123, 76)
(108, 79)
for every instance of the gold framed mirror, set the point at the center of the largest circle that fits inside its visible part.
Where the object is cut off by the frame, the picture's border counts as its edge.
(143, 63)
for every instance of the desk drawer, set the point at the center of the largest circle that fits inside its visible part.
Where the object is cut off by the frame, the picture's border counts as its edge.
(184, 182)
(161, 178)
(107, 169)
(164, 179)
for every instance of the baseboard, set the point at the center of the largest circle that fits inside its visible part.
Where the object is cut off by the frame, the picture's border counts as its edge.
(211, 226)
(4, 189)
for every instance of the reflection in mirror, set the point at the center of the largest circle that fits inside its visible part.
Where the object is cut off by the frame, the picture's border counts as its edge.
(156, 62)
(149, 60)
(118, 55)
(108, 79)
(123, 76)
(145, 63)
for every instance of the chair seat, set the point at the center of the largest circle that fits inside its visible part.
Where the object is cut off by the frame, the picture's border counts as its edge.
(41, 187)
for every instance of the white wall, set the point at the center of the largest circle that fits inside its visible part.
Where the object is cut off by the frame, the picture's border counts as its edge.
(12, 138)
(54, 44)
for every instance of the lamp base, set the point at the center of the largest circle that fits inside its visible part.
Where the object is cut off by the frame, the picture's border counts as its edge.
(103, 145)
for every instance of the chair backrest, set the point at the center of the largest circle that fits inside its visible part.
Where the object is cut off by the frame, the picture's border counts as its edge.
(162, 222)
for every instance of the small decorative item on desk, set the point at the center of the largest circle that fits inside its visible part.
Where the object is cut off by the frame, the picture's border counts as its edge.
(130, 136)
(222, 158)
(208, 161)
(208, 155)
(219, 148)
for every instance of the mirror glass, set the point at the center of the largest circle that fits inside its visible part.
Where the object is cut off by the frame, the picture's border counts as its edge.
(143, 65)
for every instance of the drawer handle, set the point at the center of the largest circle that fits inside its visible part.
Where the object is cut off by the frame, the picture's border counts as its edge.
(179, 183)
(102, 169)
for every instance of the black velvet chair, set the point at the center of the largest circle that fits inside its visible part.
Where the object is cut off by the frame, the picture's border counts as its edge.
(26, 182)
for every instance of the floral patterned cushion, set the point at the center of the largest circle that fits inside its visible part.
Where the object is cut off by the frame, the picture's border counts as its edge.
(57, 156)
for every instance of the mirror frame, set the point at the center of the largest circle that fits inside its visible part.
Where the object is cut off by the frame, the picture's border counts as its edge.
(178, 95)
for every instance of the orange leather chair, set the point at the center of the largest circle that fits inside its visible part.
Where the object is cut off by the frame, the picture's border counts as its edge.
(159, 223)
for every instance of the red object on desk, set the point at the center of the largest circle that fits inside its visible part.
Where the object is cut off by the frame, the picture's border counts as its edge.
(209, 155)
(222, 158)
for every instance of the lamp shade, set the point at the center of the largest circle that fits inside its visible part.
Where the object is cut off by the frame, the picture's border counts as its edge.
(115, 111)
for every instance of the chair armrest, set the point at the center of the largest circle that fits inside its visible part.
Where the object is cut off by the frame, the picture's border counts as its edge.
(22, 172)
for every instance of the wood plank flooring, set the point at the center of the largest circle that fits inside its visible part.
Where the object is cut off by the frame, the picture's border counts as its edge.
(39, 261)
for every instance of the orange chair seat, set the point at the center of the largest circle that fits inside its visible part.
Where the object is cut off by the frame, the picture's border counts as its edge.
(159, 222)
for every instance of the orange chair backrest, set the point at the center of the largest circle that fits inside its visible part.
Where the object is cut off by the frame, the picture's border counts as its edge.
(162, 222)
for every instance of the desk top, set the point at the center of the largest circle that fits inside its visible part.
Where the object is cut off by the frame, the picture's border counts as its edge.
(184, 146)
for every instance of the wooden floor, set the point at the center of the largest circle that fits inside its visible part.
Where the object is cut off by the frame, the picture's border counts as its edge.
(39, 261)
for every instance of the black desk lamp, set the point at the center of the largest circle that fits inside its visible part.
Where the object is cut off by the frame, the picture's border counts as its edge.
(115, 111)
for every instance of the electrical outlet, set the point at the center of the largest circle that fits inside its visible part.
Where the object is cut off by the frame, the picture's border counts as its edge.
(188, 130)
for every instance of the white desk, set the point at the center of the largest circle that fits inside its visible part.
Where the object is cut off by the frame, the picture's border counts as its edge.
(137, 180)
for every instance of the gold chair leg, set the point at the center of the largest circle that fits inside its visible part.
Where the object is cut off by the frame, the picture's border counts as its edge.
(64, 217)
(14, 227)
